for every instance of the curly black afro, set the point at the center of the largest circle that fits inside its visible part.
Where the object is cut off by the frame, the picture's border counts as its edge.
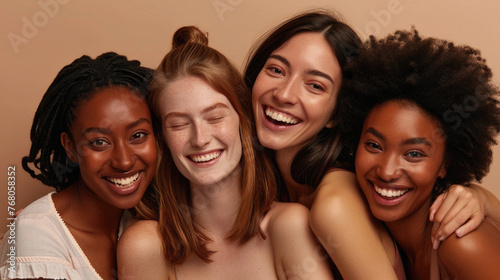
(451, 83)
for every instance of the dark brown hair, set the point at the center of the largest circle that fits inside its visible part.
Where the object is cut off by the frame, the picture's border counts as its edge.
(323, 152)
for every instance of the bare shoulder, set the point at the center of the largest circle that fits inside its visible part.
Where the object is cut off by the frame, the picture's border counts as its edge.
(285, 217)
(295, 247)
(337, 184)
(338, 197)
(134, 236)
(140, 253)
(475, 255)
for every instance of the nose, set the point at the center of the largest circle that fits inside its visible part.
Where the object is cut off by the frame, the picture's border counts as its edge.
(201, 135)
(287, 92)
(389, 168)
(123, 157)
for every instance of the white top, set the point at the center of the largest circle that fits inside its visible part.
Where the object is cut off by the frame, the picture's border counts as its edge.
(44, 246)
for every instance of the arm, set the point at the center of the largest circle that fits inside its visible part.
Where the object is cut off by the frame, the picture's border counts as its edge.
(297, 253)
(474, 256)
(357, 243)
(140, 254)
(461, 210)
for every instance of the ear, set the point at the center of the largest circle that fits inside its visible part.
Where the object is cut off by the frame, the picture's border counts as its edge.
(329, 124)
(69, 147)
(442, 171)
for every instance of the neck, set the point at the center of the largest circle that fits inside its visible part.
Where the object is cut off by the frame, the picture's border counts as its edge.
(298, 192)
(99, 217)
(413, 235)
(216, 206)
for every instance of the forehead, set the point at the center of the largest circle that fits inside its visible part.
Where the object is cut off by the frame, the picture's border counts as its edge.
(310, 51)
(110, 105)
(190, 93)
(403, 119)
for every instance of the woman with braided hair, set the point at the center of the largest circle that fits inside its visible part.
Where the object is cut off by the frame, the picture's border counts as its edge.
(93, 141)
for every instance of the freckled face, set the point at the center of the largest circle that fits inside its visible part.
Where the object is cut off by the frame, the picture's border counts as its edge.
(201, 130)
(399, 157)
(113, 142)
(295, 93)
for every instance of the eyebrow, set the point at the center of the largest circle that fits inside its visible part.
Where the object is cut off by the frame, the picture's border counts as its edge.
(375, 132)
(308, 71)
(103, 130)
(137, 122)
(204, 111)
(415, 140)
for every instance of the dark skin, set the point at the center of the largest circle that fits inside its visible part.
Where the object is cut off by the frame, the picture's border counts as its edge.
(96, 234)
(398, 160)
(111, 139)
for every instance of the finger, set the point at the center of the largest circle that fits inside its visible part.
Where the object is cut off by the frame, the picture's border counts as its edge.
(448, 204)
(470, 226)
(453, 220)
(436, 205)
(458, 214)
(456, 198)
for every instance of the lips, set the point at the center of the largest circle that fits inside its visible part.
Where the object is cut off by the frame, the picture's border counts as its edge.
(123, 182)
(390, 193)
(280, 117)
(205, 157)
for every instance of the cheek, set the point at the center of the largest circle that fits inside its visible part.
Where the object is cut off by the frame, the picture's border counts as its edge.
(319, 110)
(149, 152)
(230, 132)
(361, 162)
(174, 141)
(365, 162)
(258, 87)
(90, 164)
(424, 176)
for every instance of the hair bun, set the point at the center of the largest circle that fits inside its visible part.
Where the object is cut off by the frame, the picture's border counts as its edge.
(189, 35)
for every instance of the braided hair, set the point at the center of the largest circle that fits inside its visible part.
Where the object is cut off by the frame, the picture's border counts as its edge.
(75, 83)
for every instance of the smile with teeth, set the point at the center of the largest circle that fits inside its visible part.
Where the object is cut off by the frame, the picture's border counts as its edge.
(390, 193)
(206, 157)
(280, 117)
(124, 182)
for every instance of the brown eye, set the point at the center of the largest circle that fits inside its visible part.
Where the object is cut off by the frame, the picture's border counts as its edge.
(98, 144)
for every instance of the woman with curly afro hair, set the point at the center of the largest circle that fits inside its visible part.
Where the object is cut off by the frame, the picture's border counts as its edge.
(424, 114)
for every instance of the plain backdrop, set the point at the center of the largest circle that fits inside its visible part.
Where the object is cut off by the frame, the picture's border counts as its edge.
(39, 37)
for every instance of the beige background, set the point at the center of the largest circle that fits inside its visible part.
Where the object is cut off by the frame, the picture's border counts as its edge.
(39, 37)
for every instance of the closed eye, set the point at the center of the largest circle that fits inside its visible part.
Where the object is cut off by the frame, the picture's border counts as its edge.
(215, 119)
(177, 126)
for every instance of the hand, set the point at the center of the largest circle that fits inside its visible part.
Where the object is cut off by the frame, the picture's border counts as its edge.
(460, 209)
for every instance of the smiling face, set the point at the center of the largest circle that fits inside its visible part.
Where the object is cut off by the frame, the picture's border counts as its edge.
(113, 142)
(399, 157)
(201, 130)
(295, 93)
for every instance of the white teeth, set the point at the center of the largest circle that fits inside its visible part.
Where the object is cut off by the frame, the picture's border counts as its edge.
(124, 182)
(389, 193)
(280, 117)
(205, 158)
